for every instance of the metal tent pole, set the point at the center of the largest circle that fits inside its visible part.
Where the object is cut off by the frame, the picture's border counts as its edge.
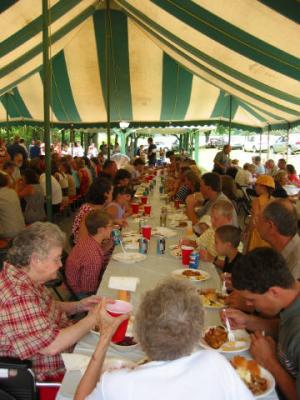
(230, 118)
(46, 93)
(196, 135)
(107, 67)
(268, 142)
(287, 142)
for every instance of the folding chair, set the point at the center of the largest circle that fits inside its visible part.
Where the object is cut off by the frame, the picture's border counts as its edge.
(17, 380)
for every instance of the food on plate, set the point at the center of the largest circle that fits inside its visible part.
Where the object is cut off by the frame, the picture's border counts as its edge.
(127, 341)
(194, 274)
(182, 224)
(212, 298)
(215, 337)
(250, 372)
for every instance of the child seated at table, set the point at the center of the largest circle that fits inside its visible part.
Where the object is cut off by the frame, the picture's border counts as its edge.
(227, 240)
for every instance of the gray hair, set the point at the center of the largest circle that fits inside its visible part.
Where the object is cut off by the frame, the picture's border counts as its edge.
(283, 215)
(169, 321)
(38, 238)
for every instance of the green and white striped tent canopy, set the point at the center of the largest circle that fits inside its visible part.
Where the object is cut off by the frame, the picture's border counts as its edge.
(177, 62)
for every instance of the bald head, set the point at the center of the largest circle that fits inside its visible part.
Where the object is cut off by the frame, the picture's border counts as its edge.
(283, 215)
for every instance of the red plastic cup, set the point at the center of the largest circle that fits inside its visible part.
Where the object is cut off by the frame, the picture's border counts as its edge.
(116, 309)
(135, 208)
(144, 199)
(147, 209)
(148, 178)
(185, 252)
(176, 203)
(146, 232)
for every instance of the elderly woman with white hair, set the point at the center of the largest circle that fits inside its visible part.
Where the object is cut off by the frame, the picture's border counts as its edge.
(33, 325)
(168, 326)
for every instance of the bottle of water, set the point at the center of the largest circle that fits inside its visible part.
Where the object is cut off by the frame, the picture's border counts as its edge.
(163, 216)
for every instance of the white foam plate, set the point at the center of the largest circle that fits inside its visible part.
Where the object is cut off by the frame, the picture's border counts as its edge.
(178, 273)
(270, 381)
(129, 258)
(206, 303)
(242, 342)
(111, 364)
(162, 231)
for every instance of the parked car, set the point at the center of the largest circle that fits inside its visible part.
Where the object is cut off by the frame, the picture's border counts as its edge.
(236, 142)
(215, 141)
(253, 143)
(283, 146)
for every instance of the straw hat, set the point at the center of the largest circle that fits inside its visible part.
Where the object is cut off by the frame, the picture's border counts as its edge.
(205, 220)
(265, 180)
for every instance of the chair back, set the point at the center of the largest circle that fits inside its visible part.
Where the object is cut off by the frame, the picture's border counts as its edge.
(17, 380)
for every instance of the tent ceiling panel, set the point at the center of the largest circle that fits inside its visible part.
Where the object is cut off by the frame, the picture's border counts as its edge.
(84, 74)
(171, 60)
(146, 74)
(211, 54)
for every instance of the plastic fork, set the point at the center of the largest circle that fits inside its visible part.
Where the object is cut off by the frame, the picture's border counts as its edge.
(231, 337)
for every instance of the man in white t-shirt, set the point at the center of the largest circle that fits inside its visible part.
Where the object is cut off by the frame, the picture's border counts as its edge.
(56, 190)
(168, 324)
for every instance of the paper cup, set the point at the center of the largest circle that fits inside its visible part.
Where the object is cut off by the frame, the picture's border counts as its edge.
(176, 203)
(135, 208)
(116, 309)
(144, 199)
(146, 231)
(147, 209)
(185, 252)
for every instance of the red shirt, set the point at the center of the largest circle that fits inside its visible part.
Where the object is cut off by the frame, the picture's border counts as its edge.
(29, 321)
(85, 265)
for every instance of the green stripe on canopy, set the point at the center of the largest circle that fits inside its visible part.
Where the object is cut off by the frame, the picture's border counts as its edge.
(234, 106)
(62, 101)
(288, 8)
(181, 44)
(14, 105)
(121, 105)
(35, 26)
(230, 36)
(4, 4)
(176, 90)
(54, 38)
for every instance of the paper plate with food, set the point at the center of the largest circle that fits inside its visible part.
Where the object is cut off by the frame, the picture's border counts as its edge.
(178, 224)
(129, 258)
(211, 298)
(175, 251)
(194, 275)
(216, 338)
(162, 231)
(260, 382)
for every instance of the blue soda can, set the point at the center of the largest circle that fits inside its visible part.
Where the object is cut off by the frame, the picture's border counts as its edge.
(116, 235)
(194, 260)
(143, 246)
(161, 245)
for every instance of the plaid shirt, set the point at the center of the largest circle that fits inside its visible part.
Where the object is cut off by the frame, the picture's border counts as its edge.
(29, 321)
(85, 266)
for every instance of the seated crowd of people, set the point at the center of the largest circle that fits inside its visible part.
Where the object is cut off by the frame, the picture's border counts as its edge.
(259, 262)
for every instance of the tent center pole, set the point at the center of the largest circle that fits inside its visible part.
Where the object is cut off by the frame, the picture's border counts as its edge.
(107, 67)
(46, 94)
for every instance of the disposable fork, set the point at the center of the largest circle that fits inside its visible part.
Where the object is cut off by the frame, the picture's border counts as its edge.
(231, 337)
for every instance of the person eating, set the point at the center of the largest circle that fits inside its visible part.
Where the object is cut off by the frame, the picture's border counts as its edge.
(168, 326)
(33, 325)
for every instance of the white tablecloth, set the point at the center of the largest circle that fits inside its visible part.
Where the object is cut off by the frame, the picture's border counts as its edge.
(150, 271)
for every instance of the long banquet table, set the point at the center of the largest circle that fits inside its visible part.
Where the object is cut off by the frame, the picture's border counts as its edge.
(150, 271)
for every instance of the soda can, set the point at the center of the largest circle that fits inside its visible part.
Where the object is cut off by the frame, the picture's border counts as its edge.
(116, 235)
(143, 246)
(161, 189)
(194, 260)
(161, 245)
